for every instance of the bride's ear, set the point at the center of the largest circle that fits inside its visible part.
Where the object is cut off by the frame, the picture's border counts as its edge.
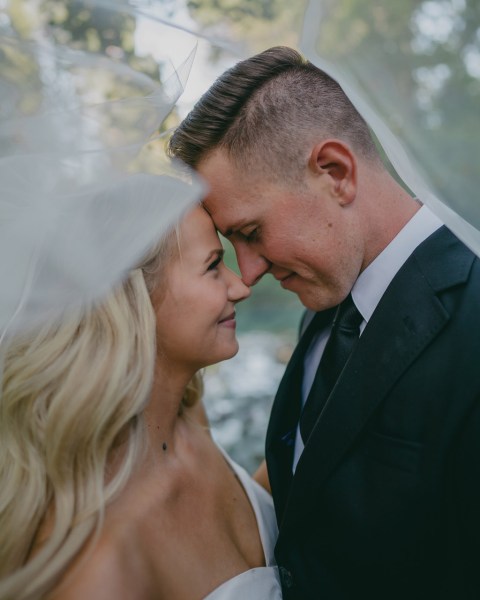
(335, 162)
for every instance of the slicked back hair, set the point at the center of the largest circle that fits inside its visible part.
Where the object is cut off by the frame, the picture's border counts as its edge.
(266, 112)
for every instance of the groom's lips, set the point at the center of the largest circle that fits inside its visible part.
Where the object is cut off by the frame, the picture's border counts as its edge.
(285, 281)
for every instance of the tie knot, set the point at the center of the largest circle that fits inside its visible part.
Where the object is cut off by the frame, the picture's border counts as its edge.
(348, 317)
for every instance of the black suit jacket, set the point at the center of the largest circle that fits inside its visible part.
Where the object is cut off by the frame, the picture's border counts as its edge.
(385, 500)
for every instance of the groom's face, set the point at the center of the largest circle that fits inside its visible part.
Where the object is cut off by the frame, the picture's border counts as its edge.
(300, 234)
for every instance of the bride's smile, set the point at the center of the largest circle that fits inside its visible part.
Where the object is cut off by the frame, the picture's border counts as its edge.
(195, 298)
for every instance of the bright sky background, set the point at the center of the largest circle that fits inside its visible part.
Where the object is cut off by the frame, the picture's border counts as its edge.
(164, 42)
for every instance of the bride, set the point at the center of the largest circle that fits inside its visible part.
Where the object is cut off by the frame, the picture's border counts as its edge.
(111, 485)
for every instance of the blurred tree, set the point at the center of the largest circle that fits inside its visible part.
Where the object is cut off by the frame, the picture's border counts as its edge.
(103, 34)
(63, 54)
(258, 24)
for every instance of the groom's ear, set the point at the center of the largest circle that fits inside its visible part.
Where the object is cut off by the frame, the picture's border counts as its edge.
(335, 162)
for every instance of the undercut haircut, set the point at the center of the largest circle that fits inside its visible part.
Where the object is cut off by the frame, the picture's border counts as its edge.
(266, 112)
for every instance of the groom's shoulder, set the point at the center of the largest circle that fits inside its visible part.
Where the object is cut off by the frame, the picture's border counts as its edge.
(446, 261)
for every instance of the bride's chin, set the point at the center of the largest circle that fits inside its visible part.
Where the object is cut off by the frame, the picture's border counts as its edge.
(232, 354)
(224, 355)
(235, 348)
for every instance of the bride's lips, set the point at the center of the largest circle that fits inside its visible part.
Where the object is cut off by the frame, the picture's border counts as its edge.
(228, 321)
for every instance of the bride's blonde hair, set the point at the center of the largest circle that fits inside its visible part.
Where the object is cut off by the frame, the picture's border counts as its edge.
(73, 392)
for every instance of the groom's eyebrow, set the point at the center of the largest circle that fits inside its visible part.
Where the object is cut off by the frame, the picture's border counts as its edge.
(229, 232)
(235, 228)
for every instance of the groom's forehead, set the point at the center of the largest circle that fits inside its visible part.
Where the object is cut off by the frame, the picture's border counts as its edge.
(226, 197)
(226, 217)
(234, 198)
(226, 177)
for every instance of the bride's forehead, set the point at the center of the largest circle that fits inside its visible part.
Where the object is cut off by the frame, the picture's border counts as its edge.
(197, 224)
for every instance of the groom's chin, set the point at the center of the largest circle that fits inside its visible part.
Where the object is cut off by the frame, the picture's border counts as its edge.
(317, 301)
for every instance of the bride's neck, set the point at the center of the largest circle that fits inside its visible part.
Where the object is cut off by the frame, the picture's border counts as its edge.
(163, 412)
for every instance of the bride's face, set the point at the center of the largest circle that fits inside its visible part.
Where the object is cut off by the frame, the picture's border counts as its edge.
(195, 305)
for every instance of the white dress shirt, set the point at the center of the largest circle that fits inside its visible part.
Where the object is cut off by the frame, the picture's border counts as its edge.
(367, 292)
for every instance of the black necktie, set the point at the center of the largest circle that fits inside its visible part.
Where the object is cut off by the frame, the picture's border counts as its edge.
(344, 335)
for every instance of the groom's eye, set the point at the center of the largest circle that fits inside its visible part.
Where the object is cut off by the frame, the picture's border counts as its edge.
(252, 235)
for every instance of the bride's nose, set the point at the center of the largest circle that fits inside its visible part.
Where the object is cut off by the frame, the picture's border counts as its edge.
(237, 290)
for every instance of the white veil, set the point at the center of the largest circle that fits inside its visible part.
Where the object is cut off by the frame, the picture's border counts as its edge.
(414, 75)
(79, 207)
(85, 189)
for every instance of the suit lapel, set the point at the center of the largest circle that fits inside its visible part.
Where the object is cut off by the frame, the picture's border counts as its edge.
(409, 316)
(284, 417)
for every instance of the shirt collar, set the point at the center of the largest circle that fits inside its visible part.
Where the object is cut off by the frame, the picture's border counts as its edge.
(375, 279)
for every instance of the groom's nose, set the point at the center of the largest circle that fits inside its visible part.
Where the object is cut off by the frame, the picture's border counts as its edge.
(252, 265)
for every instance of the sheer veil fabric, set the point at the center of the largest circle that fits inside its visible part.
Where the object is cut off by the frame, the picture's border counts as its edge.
(417, 84)
(78, 206)
(82, 196)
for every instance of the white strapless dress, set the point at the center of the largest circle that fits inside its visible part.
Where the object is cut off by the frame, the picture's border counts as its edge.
(262, 583)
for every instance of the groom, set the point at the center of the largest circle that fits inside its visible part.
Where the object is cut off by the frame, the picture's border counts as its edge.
(375, 474)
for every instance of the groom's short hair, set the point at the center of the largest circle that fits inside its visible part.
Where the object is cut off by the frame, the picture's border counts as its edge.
(265, 111)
